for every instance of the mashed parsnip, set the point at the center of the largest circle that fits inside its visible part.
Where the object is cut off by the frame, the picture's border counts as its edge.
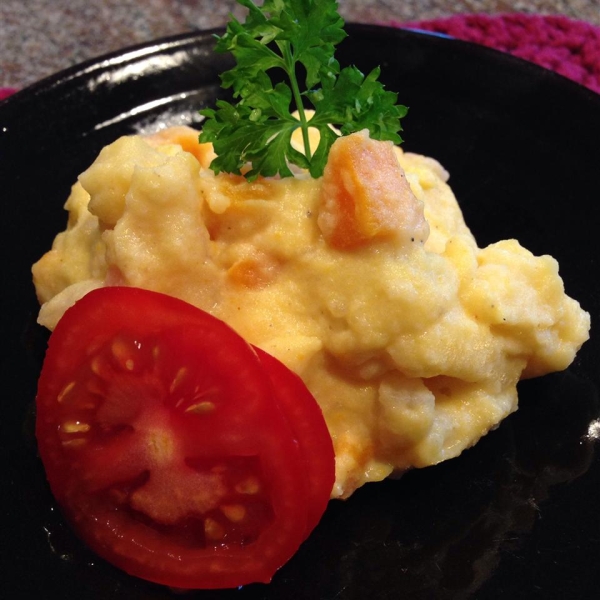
(366, 282)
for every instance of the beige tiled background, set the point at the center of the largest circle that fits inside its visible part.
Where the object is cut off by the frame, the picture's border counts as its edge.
(40, 37)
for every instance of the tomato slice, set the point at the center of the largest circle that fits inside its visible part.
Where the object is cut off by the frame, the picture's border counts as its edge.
(306, 420)
(176, 452)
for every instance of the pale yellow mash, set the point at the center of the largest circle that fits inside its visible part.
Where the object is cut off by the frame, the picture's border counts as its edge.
(366, 282)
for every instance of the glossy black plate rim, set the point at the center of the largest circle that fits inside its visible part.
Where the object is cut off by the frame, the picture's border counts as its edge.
(373, 524)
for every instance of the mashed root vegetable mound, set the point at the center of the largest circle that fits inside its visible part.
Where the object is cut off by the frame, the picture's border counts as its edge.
(366, 282)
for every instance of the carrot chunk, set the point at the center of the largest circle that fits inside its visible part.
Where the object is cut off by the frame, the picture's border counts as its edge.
(365, 195)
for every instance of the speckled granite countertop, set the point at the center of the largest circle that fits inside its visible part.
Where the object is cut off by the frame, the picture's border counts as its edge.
(41, 37)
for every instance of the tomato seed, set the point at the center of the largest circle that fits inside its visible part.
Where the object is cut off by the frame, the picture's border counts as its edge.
(234, 512)
(249, 486)
(213, 530)
(100, 368)
(65, 391)
(201, 408)
(122, 350)
(179, 377)
(74, 443)
(75, 427)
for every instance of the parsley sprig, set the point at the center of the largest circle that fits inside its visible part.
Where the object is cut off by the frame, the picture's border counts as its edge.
(297, 37)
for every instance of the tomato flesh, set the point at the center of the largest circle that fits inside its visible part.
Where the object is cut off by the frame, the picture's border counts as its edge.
(178, 452)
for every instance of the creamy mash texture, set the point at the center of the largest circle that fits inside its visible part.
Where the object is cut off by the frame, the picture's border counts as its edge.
(366, 282)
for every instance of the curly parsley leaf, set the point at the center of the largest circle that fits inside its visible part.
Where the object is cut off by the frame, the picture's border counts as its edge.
(293, 37)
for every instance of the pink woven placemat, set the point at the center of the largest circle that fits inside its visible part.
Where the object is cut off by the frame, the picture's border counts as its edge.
(567, 46)
(6, 92)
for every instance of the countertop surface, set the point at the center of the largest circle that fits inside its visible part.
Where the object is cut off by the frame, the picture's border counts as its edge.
(41, 37)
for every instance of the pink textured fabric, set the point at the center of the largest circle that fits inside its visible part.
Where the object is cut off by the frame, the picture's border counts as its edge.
(6, 92)
(567, 46)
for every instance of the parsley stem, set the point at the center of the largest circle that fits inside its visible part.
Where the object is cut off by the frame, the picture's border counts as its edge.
(290, 67)
(297, 37)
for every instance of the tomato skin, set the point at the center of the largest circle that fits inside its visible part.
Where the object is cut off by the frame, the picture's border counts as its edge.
(171, 447)
(306, 420)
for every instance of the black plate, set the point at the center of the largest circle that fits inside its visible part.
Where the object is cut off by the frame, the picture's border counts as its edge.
(515, 517)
